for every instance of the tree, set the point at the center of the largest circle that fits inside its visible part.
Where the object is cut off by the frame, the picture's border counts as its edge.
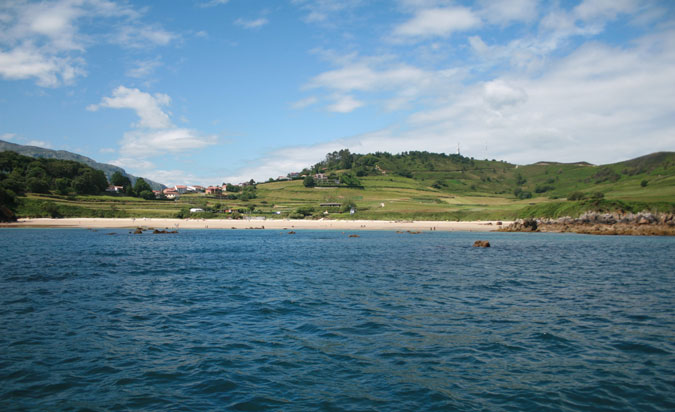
(147, 194)
(349, 180)
(62, 185)
(141, 186)
(37, 185)
(309, 181)
(118, 179)
(644, 183)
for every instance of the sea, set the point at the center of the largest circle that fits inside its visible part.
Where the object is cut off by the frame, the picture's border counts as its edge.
(259, 320)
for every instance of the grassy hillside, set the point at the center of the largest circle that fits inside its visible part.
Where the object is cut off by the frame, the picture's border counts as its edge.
(420, 186)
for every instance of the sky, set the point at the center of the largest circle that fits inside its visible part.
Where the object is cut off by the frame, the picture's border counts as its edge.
(212, 91)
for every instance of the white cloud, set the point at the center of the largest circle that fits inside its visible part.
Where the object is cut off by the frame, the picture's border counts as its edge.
(438, 22)
(401, 83)
(213, 3)
(7, 136)
(155, 134)
(504, 12)
(302, 103)
(498, 94)
(144, 143)
(47, 40)
(148, 107)
(251, 24)
(324, 11)
(604, 9)
(344, 104)
(144, 68)
(39, 143)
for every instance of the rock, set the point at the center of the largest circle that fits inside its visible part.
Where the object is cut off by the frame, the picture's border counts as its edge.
(499, 223)
(354, 236)
(291, 232)
(481, 243)
(138, 231)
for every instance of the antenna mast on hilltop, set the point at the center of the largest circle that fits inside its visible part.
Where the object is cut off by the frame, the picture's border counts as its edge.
(458, 150)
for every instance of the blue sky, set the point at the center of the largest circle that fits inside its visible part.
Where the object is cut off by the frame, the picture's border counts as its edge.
(212, 91)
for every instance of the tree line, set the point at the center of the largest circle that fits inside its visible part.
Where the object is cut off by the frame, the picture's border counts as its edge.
(22, 174)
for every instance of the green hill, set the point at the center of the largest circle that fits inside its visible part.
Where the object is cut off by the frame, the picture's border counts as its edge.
(41, 152)
(411, 186)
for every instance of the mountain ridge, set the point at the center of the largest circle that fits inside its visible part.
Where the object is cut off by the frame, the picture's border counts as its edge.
(41, 152)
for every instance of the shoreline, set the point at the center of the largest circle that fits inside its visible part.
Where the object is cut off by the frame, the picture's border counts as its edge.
(274, 224)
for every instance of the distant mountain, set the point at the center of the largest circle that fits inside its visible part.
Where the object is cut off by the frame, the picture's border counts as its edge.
(108, 169)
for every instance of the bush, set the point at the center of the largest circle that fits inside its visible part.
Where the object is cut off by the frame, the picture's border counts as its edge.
(303, 211)
(643, 183)
(543, 188)
(308, 181)
(576, 196)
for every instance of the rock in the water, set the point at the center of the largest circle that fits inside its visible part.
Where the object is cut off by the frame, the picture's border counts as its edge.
(291, 232)
(481, 243)
(353, 235)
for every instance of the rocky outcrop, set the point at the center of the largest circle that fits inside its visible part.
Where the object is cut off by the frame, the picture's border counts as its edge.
(481, 243)
(643, 224)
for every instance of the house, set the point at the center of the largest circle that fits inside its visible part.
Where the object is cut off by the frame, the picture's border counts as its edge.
(214, 190)
(171, 193)
(294, 175)
(157, 194)
(181, 189)
(115, 189)
(196, 210)
(199, 189)
(283, 178)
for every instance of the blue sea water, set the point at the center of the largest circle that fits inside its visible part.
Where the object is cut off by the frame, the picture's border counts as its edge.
(263, 320)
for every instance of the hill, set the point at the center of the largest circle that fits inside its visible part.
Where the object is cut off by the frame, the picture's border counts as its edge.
(41, 152)
(408, 186)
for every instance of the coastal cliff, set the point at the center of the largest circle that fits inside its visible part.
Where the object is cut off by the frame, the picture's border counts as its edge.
(637, 224)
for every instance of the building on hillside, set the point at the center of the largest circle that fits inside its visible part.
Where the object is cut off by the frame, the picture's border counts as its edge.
(115, 189)
(157, 194)
(199, 189)
(280, 178)
(214, 190)
(181, 189)
(171, 193)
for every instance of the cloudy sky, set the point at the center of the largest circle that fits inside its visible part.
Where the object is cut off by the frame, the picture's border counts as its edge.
(206, 91)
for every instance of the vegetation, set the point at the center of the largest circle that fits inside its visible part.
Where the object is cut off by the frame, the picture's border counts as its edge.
(412, 185)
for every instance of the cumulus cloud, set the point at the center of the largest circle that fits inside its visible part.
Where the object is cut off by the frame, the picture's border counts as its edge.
(47, 41)
(154, 133)
(438, 22)
(345, 104)
(400, 82)
(148, 107)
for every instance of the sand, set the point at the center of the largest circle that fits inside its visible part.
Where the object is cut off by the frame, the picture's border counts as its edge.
(280, 224)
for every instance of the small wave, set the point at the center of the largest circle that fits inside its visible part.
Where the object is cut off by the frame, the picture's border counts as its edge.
(640, 348)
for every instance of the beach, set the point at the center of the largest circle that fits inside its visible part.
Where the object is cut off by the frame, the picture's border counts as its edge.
(274, 224)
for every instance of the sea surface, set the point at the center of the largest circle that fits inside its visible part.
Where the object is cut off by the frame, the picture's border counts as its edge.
(258, 320)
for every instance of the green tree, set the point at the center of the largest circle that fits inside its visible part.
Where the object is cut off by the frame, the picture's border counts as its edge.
(118, 179)
(37, 185)
(644, 183)
(308, 181)
(62, 185)
(147, 195)
(141, 186)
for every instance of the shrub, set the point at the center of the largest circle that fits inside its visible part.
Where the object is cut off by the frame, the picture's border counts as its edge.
(576, 196)
(643, 183)
(308, 181)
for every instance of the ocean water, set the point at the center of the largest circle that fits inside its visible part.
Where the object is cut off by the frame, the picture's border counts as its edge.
(259, 320)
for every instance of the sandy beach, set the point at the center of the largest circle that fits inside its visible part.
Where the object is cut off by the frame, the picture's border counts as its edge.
(158, 223)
